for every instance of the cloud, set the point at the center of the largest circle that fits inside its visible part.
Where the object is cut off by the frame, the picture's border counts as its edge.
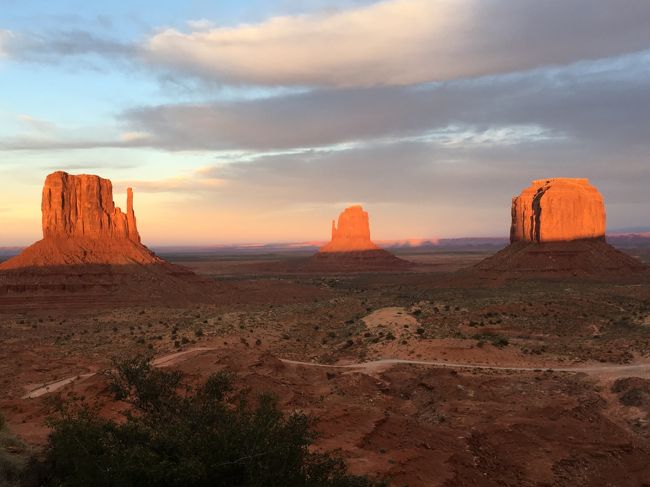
(200, 181)
(5, 37)
(404, 42)
(412, 188)
(52, 46)
(87, 166)
(36, 124)
(135, 136)
(603, 103)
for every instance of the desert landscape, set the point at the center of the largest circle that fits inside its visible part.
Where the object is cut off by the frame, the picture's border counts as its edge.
(324, 243)
(434, 368)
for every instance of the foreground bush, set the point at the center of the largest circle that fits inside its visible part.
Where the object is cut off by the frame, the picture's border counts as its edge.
(176, 435)
(14, 456)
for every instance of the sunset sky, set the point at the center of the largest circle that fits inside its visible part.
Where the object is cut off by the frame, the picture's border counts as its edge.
(259, 120)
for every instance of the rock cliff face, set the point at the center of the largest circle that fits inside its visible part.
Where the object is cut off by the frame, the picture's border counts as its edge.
(82, 225)
(558, 231)
(91, 254)
(352, 234)
(558, 210)
(82, 206)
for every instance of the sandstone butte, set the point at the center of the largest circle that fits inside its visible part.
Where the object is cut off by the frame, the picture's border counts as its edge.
(82, 225)
(558, 230)
(558, 210)
(352, 234)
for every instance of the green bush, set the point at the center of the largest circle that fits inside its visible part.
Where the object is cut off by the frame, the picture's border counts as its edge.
(177, 435)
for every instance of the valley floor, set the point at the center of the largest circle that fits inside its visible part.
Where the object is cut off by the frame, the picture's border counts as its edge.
(418, 377)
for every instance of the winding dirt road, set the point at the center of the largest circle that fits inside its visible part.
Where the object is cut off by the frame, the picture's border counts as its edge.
(601, 371)
(639, 370)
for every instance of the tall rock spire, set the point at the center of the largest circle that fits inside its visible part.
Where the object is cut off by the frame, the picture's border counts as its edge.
(130, 217)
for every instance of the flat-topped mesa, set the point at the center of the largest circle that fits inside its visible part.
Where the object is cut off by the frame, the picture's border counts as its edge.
(558, 210)
(352, 234)
(82, 206)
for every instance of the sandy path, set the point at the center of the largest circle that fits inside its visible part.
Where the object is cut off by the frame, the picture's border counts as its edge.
(164, 361)
(382, 364)
(601, 371)
(43, 389)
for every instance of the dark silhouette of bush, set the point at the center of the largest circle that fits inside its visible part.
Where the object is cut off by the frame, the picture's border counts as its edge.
(14, 456)
(174, 434)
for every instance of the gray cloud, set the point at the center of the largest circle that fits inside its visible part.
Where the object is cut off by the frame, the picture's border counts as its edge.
(604, 103)
(55, 46)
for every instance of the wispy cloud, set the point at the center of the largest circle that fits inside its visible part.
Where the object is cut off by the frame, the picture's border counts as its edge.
(86, 166)
(36, 124)
(52, 47)
(5, 35)
(198, 182)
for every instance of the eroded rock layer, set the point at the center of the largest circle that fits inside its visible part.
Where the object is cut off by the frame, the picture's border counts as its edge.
(558, 210)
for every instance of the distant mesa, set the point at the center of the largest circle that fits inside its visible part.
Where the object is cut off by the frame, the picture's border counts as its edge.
(352, 234)
(92, 248)
(558, 210)
(351, 248)
(558, 230)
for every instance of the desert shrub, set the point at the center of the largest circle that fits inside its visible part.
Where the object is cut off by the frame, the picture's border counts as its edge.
(498, 341)
(632, 391)
(632, 397)
(178, 435)
(14, 456)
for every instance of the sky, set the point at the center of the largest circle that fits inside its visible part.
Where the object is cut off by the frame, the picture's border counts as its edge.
(241, 121)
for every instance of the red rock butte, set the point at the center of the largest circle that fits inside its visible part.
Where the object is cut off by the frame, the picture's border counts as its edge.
(82, 225)
(82, 206)
(558, 210)
(558, 230)
(352, 234)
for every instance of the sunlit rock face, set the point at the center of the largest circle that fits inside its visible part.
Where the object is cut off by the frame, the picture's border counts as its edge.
(558, 210)
(82, 206)
(352, 234)
(82, 225)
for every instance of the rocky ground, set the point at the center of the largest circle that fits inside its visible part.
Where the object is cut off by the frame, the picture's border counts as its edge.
(525, 383)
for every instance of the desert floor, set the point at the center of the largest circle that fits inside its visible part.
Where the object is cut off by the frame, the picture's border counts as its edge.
(418, 377)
